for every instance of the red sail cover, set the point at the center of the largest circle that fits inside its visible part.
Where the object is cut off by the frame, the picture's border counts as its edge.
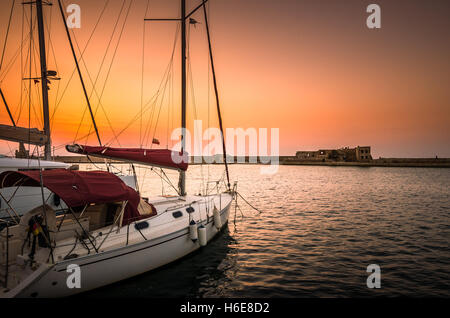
(164, 158)
(79, 188)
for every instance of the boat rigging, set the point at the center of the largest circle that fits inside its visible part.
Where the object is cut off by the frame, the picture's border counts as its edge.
(105, 222)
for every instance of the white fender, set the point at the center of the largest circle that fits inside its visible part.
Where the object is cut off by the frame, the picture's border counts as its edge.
(202, 235)
(193, 231)
(217, 219)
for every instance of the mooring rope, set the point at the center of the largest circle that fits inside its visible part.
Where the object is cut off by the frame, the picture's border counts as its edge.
(236, 207)
(249, 204)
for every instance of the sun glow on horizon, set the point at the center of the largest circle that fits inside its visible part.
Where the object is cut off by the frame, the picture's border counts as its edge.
(312, 70)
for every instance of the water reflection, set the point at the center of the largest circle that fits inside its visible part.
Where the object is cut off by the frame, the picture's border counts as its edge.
(320, 228)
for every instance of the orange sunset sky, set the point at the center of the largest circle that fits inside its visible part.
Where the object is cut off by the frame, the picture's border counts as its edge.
(311, 68)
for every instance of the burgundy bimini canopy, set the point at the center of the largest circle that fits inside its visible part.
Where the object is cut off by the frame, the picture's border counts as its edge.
(155, 157)
(79, 188)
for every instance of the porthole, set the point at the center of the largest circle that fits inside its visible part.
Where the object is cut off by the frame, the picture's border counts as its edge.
(190, 209)
(177, 214)
(141, 225)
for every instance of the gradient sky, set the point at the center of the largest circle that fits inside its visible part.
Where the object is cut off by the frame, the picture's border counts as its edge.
(311, 68)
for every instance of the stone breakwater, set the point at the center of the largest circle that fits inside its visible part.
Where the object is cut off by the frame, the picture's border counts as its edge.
(381, 162)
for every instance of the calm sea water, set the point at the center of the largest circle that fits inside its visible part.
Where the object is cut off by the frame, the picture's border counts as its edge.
(319, 230)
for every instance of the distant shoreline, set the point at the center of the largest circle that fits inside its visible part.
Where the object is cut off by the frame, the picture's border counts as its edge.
(372, 164)
(381, 162)
(292, 161)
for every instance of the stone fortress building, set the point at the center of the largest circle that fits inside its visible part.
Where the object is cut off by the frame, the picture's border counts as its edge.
(344, 154)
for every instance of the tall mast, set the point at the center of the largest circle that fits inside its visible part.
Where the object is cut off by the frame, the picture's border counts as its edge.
(182, 179)
(44, 80)
(217, 96)
(182, 20)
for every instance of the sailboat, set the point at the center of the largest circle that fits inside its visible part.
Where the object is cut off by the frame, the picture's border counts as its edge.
(108, 232)
(18, 200)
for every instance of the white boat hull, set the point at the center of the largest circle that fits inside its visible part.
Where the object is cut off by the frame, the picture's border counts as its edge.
(108, 267)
